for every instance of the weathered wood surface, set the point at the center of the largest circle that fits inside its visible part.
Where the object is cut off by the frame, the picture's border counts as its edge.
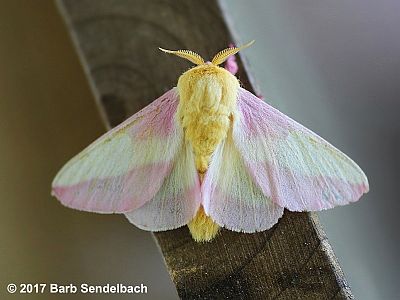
(117, 42)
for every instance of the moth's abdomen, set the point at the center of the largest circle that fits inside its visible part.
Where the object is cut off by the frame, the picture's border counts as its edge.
(205, 129)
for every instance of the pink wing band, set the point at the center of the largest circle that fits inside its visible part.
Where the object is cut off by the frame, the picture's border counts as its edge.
(117, 194)
(158, 117)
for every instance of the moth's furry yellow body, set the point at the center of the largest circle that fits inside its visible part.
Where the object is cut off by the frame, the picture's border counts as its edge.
(207, 105)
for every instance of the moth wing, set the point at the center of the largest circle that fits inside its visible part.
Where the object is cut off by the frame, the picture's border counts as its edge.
(127, 166)
(292, 165)
(230, 195)
(178, 199)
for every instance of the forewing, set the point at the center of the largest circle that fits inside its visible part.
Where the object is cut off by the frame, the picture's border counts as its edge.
(292, 165)
(230, 195)
(126, 167)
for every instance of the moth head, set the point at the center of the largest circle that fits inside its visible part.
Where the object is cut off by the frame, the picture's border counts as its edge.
(218, 58)
(206, 74)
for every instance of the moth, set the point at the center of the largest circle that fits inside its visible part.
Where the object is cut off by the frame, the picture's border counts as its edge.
(208, 154)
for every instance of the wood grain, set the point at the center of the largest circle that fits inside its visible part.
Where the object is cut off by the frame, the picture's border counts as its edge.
(117, 42)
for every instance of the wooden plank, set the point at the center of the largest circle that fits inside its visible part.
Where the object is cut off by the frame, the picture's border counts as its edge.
(117, 42)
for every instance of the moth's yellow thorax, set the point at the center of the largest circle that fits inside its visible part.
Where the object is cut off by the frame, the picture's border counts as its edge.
(207, 104)
(207, 101)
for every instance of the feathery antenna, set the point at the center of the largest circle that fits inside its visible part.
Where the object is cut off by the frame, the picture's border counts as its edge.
(218, 59)
(187, 54)
(221, 56)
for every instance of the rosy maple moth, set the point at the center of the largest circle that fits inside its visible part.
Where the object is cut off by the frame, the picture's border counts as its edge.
(208, 154)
